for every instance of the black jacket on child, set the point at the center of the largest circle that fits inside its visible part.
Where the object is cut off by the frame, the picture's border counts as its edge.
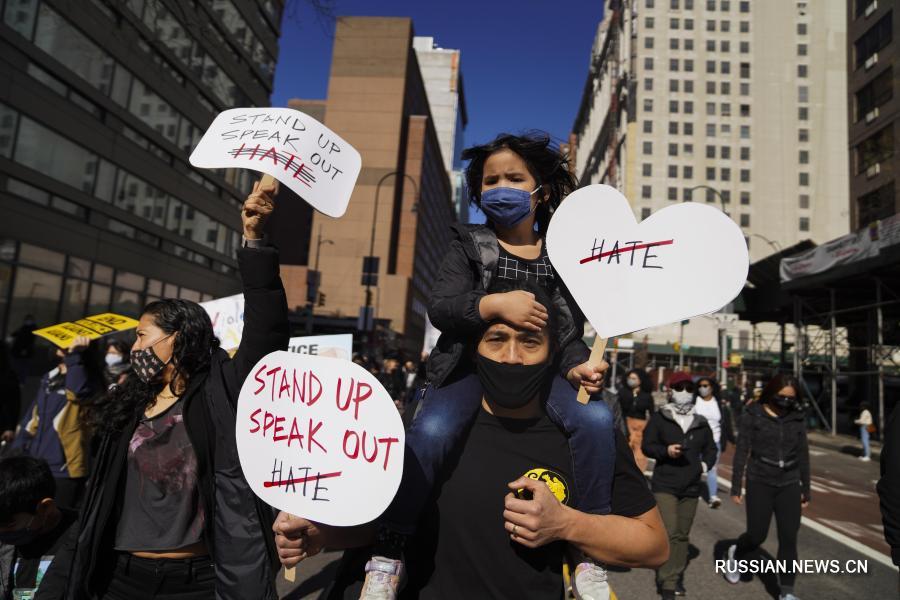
(238, 528)
(467, 271)
(678, 476)
(773, 450)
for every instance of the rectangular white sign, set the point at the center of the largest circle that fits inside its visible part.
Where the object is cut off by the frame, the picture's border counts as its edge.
(227, 316)
(335, 346)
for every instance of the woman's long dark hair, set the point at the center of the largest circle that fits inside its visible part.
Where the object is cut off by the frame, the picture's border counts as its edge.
(713, 383)
(646, 383)
(194, 346)
(546, 164)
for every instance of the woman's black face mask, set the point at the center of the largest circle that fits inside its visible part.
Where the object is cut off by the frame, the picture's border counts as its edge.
(510, 386)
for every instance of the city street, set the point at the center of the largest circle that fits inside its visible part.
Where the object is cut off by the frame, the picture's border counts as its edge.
(843, 522)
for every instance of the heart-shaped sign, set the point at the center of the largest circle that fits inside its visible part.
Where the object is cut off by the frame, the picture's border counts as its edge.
(685, 260)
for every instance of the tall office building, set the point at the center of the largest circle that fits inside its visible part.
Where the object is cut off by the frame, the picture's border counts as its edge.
(401, 205)
(746, 99)
(101, 103)
(444, 87)
(873, 69)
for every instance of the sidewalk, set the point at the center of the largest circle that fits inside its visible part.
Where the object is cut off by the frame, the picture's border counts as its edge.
(846, 444)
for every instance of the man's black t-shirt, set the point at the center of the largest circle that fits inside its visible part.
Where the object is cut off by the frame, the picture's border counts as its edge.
(462, 550)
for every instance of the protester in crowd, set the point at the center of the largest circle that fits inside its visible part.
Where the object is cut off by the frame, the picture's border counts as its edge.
(866, 427)
(517, 182)
(22, 349)
(471, 541)
(637, 404)
(392, 378)
(889, 486)
(51, 429)
(10, 398)
(30, 521)
(773, 450)
(170, 514)
(117, 361)
(680, 440)
(708, 404)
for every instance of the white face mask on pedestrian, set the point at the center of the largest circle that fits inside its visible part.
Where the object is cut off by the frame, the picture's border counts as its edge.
(681, 398)
(704, 391)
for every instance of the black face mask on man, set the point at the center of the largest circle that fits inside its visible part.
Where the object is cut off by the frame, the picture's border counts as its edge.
(510, 386)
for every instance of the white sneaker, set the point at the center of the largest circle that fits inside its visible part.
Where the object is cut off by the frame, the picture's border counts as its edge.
(787, 596)
(715, 502)
(731, 567)
(864, 458)
(589, 582)
(382, 579)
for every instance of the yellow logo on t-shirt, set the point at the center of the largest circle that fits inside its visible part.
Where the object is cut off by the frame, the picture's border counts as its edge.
(555, 482)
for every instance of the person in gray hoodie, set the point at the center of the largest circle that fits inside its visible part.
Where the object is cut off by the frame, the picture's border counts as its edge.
(682, 443)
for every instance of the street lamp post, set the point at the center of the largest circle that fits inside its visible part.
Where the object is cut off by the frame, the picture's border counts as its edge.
(372, 251)
(714, 191)
(311, 299)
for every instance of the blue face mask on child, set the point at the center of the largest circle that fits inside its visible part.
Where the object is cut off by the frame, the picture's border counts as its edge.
(506, 207)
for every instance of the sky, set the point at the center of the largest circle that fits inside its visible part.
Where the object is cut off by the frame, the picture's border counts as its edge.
(524, 62)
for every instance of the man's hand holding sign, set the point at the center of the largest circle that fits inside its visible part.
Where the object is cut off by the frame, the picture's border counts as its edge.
(624, 274)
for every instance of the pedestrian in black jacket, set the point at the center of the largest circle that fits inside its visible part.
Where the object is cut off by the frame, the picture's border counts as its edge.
(637, 404)
(889, 485)
(168, 511)
(682, 443)
(773, 450)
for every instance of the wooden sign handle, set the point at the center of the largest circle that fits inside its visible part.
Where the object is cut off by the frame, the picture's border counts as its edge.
(596, 356)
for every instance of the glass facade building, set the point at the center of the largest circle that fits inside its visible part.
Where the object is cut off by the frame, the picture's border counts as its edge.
(101, 103)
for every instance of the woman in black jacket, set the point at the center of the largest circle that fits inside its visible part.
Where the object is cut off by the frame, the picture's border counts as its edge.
(681, 442)
(773, 450)
(168, 513)
(637, 404)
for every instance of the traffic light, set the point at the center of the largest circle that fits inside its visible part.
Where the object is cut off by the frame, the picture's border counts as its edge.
(321, 299)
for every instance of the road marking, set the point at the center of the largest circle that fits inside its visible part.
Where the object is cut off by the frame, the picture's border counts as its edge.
(836, 536)
(817, 452)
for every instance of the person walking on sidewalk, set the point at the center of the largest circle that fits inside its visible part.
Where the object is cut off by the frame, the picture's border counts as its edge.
(866, 427)
(773, 449)
(637, 404)
(708, 404)
(681, 441)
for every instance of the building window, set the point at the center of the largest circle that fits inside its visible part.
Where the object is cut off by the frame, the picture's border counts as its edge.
(745, 6)
(673, 149)
(803, 135)
(745, 175)
(710, 108)
(648, 104)
(648, 126)
(673, 128)
(710, 173)
(803, 93)
(745, 153)
(673, 23)
(725, 129)
(672, 193)
(689, 44)
(745, 47)
(673, 106)
(745, 89)
(673, 4)
(745, 220)
(804, 200)
(688, 65)
(687, 148)
(877, 204)
(649, 23)
(745, 70)
(725, 152)
(745, 110)
(645, 212)
(710, 45)
(725, 87)
(648, 84)
(745, 198)
(876, 38)
(802, 49)
(745, 132)
(673, 171)
(673, 44)
(687, 172)
(804, 157)
(801, 28)
(804, 179)
(688, 129)
(710, 25)
(688, 107)
(646, 191)
(648, 43)
(673, 64)
(689, 24)
(710, 130)
(687, 194)
(725, 109)
(710, 151)
(688, 4)
(803, 113)
(725, 26)
(648, 63)
(649, 3)
(710, 87)
(726, 6)
(725, 68)
(802, 71)
(804, 223)
(673, 85)
(711, 5)
(710, 66)
(725, 46)
(648, 148)
(688, 86)
(873, 149)
(876, 93)
(647, 170)
(725, 174)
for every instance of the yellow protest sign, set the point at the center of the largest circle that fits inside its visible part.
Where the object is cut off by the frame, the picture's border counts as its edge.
(90, 327)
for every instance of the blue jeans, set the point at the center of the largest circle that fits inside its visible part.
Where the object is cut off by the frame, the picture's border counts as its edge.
(712, 480)
(864, 436)
(443, 422)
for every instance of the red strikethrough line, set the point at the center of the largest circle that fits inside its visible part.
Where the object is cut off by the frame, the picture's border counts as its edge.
(300, 479)
(629, 249)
